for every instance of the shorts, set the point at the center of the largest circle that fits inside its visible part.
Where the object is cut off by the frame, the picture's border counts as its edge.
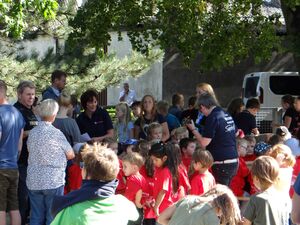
(9, 189)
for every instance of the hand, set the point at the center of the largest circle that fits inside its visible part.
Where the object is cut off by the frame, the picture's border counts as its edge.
(191, 125)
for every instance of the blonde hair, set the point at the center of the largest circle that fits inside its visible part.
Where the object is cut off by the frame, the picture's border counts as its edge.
(134, 158)
(241, 141)
(100, 162)
(123, 107)
(204, 157)
(283, 154)
(153, 126)
(65, 99)
(266, 170)
(179, 131)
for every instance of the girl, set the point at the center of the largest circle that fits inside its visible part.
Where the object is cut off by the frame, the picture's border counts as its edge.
(217, 206)
(149, 115)
(166, 185)
(235, 106)
(124, 125)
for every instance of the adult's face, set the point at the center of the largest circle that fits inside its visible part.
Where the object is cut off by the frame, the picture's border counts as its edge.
(27, 97)
(126, 87)
(148, 104)
(60, 83)
(203, 110)
(91, 106)
(297, 105)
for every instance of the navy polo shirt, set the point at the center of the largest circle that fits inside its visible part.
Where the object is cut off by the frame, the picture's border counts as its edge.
(97, 126)
(245, 121)
(219, 126)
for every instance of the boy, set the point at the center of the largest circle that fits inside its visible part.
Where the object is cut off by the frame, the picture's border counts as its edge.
(172, 121)
(95, 202)
(250, 156)
(238, 182)
(269, 207)
(187, 148)
(155, 132)
(135, 184)
(136, 109)
(179, 133)
(246, 120)
(202, 180)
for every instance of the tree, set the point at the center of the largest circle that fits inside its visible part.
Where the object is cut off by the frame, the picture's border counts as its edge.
(224, 32)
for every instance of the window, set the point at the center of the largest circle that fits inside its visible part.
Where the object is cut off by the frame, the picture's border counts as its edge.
(283, 85)
(251, 87)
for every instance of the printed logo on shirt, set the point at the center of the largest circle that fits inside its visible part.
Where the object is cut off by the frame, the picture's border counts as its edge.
(98, 122)
(33, 123)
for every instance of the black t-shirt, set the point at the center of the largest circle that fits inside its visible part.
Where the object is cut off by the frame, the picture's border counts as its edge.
(97, 126)
(30, 122)
(220, 127)
(291, 112)
(190, 113)
(245, 121)
(144, 127)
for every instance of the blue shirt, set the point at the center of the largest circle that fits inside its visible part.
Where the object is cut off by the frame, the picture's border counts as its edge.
(172, 122)
(297, 185)
(219, 126)
(11, 125)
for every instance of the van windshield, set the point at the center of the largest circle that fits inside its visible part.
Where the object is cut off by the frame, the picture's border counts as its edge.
(283, 85)
(251, 87)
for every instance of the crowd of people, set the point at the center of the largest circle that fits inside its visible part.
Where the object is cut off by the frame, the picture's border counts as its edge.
(152, 164)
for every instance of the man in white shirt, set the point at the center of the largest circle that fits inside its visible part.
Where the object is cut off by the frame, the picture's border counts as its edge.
(127, 95)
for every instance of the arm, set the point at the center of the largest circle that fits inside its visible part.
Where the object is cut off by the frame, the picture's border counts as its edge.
(296, 209)
(166, 133)
(110, 133)
(203, 141)
(138, 198)
(26, 133)
(158, 201)
(166, 215)
(255, 131)
(20, 141)
(287, 121)
(131, 134)
(136, 132)
(70, 154)
(245, 222)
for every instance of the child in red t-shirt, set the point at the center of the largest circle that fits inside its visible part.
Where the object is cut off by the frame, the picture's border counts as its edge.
(243, 175)
(136, 184)
(202, 180)
(250, 156)
(73, 175)
(187, 148)
(166, 185)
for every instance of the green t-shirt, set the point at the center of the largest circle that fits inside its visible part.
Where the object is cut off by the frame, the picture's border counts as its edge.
(188, 214)
(269, 207)
(115, 210)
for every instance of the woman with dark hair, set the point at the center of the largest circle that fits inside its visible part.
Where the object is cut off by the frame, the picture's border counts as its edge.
(94, 121)
(235, 106)
(149, 115)
(288, 119)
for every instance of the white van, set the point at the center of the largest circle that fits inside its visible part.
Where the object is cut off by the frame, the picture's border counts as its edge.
(269, 87)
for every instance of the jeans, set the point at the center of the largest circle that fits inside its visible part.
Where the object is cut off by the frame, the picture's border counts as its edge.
(23, 194)
(41, 204)
(223, 173)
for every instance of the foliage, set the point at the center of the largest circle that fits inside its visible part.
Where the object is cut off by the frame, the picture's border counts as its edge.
(87, 71)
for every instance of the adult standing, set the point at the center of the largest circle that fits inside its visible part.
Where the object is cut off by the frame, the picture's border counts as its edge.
(149, 115)
(127, 95)
(26, 98)
(11, 132)
(218, 137)
(48, 153)
(58, 83)
(95, 121)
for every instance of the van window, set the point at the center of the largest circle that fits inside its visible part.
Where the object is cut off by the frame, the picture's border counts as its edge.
(251, 87)
(283, 85)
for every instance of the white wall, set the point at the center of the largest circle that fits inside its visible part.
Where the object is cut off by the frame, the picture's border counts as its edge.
(149, 83)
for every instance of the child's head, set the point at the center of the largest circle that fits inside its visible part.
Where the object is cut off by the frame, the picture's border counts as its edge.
(187, 146)
(202, 159)
(242, 145)
(253, 105)
(192, 101)
(155, 131)
(283, 155)
(265, 170)
(123, 112)
(274, 140)
(178, 100)
(132, 162)
(287, 101)
(180, 133)
(283, 132)
(136, 109)
(100, 163)
(162, 108)
(226, 204)
(251, 144)
(111, 143)
(261, 148)
(143, 148)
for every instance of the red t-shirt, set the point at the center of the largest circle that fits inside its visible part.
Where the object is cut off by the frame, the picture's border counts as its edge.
(201, 183)
(148, 211)
(134, 183)
(74, 179)
(186, 161)
(296, 172)
(238, 181)
(121, 177)
(183, 178)
(163, 181)
(248, 158)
